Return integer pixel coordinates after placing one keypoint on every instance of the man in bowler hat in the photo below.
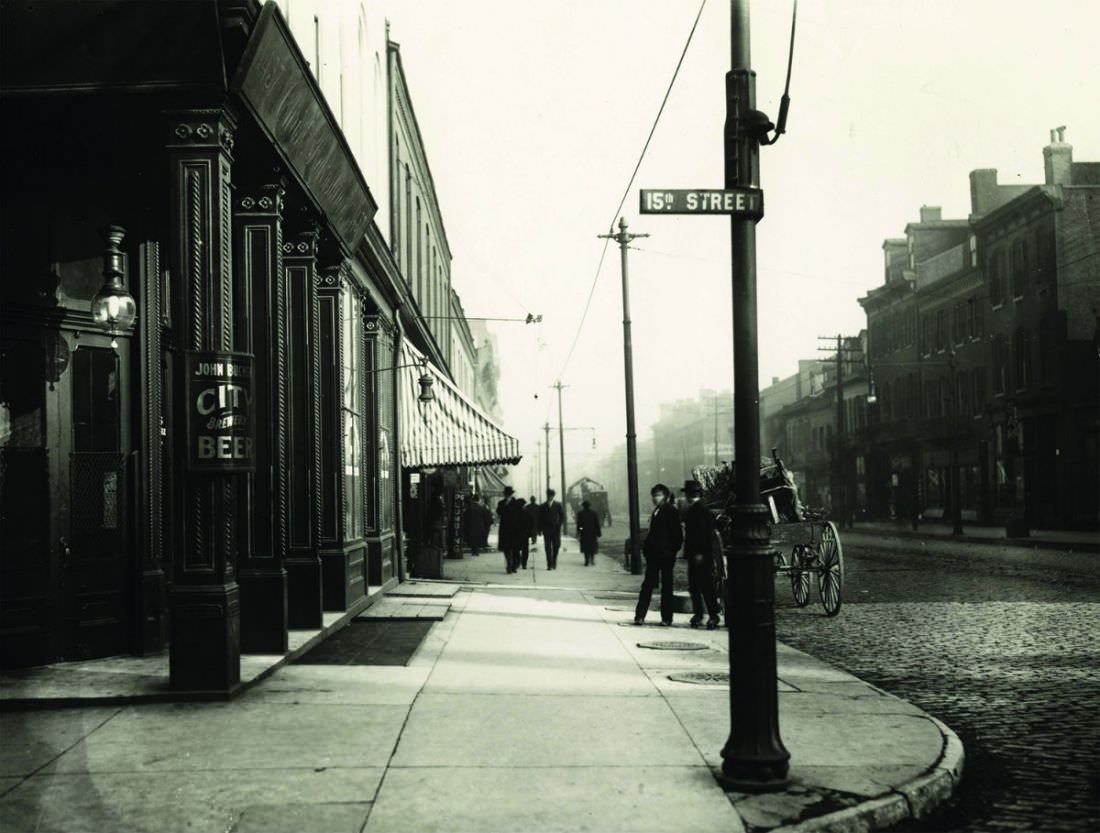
(551, 520)
(662, 542)
(699, 529)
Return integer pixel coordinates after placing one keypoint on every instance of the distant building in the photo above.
(984, 333)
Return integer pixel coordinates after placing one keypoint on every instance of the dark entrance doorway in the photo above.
(92, 497)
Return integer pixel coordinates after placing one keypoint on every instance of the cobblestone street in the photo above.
(999, 642)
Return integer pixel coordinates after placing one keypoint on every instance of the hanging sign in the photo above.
(738, 202)
(220, 433)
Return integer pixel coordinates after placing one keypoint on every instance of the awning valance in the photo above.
(450, 430)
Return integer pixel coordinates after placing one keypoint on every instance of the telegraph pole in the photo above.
(546, 446)
(754, 758)
(623, 239)
(561, 452)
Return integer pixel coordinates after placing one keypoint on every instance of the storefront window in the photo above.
(352, 408)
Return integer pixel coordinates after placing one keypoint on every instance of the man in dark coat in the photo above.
(475, 525)
(661, 545)
(506, 530)
(519, 532)
(532, 512)
(551, 520)
(699, 529)
(588, 532)
(487, 521)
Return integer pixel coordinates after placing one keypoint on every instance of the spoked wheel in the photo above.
(800, 577)
(830, 583)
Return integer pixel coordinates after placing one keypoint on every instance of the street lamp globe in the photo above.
(112, 307)
(426, 392)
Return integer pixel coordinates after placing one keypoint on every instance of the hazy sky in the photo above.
(534, 114)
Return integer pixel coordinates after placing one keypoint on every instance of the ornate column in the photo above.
(261, 301)
(383, 527)
(205, 605)
(151, 601)
(303, 564)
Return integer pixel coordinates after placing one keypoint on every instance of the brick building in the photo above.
(982, 343)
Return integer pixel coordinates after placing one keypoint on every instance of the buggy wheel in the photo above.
(800, 576)
(830, 583)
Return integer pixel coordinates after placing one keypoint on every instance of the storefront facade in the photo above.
(226, 471)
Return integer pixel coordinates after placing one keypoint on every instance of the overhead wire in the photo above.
(626, 191)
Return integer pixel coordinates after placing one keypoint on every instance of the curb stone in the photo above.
(914, 799)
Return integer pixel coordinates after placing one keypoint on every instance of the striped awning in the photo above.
(450, 430)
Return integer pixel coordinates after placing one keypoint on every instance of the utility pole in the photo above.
(561, 453)
(716, 431)
(623, 239)
(841, 495)
(546, 428)
(754, 758)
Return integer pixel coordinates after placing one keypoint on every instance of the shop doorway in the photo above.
(92, 496)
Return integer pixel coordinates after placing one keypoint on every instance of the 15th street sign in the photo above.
(739, 202)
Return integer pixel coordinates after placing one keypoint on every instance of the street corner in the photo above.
(846, 798)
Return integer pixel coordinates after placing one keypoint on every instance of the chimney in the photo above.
(1058, 159)
(931, 214)
(983, 190)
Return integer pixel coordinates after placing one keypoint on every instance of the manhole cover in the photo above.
(701, 677)
(673, 646)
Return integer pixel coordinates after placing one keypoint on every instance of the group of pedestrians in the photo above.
(521, 523)
(668, 533)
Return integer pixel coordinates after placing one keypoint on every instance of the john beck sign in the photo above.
(219, 412)
(739, 202)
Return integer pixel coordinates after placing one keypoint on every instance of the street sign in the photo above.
(739, 202)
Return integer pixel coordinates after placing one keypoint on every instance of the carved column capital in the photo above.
(213, 129)
(302, 244)
(264, 199)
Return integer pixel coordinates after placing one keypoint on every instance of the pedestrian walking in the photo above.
(662, 542)
(551, 520)
(699, 527)
(506, 526)
(588, 532)
(532, 511)
(475, 525)
(523, 535)
(487, 522)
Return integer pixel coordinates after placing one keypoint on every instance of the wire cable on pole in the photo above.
(626, 191)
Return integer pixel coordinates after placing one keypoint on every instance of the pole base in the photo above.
(753, 777)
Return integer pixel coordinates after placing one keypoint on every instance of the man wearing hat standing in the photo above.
(511, 525)
(551, 520)
(662, 542)
(699, 529)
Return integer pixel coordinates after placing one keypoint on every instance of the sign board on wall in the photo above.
(220, 434)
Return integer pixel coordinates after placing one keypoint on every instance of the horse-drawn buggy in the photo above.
(807, 544)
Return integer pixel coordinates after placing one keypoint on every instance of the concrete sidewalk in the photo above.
(526, 708)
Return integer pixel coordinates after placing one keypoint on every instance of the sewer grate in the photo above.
(701, 677)
(674, 646)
